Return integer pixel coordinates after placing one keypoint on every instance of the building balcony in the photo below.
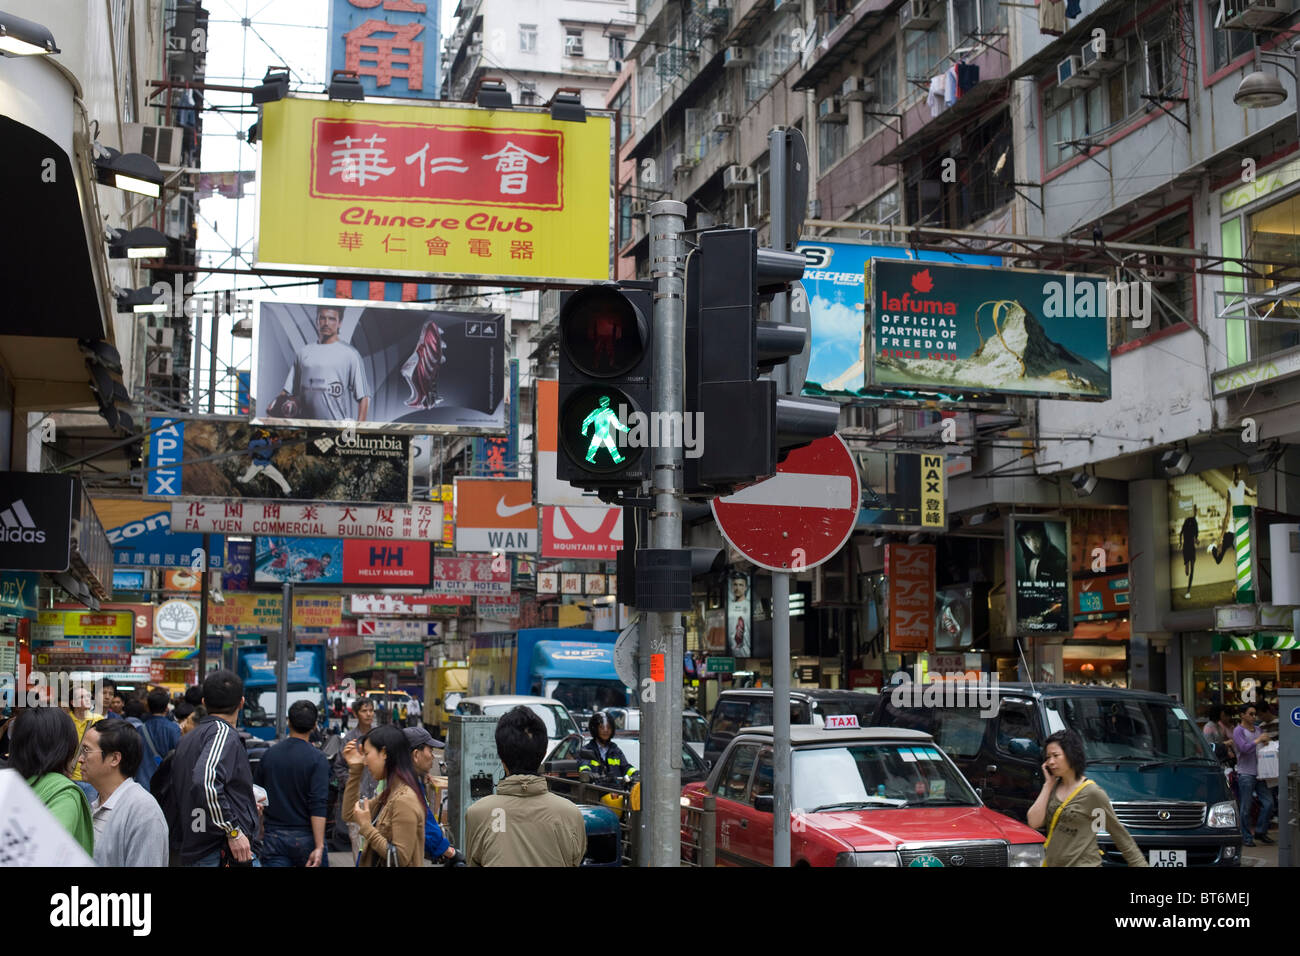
(845, 39)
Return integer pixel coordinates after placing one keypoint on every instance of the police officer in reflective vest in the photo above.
(601, 755)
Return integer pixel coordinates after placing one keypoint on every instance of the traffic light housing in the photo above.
(746, 426)
(606, 375)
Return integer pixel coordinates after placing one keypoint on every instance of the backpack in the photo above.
(151, 760)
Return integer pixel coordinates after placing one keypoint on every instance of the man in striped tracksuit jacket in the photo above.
(213, 782)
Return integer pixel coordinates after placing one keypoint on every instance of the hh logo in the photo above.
(386, 557)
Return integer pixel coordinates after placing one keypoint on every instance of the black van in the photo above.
(752, 707)
(1153, 762)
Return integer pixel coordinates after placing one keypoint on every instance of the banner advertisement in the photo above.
(381, 629)
(392, 48)
(182, 581)
(1039, 569)
(470, 576)
(981, 329)
(452, 190)
(901, 491)
(498, 608)
(740, 624)
(90, 653)
(419, 522)
(176, 624)
(334, 561)
(57, 625)
(834, 282)
(911, 572)
(367, 366)
(260, 613)
(140, 533)
(405, 604)
(495, 515)
(595, 533)
(232, 459)
(18, 593)
(1202, 536)
(36, 520)
(239, 566)
(447, 496)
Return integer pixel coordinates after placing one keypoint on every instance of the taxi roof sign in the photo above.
(841, 722)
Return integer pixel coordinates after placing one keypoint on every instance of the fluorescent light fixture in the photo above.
(143, 242)
(274, 86)
(141, 301)
(345, 85)
(19, 37)
(133, 172)
(566, 105)
(493, 95)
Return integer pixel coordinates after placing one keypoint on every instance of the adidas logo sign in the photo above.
(19, 526)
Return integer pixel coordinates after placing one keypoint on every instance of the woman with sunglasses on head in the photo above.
(44, 749)
(1074, 809)
(391, 823)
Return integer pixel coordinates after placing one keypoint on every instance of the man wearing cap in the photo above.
(423, 753)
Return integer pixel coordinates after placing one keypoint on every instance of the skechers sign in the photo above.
(940, 327)
(36, 521)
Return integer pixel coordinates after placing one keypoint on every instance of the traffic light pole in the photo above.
(781, 755)
(663, 642)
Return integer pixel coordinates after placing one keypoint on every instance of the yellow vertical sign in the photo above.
(932, 492)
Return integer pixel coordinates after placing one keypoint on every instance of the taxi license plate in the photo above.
(1167, 857)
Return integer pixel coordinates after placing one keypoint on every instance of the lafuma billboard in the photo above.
(977, 329)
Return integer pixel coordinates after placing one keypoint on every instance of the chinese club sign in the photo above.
(454, 190)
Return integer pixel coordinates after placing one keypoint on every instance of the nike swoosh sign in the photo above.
(509, 511)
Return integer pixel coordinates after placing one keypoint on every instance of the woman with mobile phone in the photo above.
(391, 823)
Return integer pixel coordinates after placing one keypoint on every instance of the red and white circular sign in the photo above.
(802, 515)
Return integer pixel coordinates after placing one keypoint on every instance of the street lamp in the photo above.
(1259, 90)
(134, 172)
(19, 37)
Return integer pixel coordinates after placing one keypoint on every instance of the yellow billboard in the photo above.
(60, 624)
(452, 191)
(252, 611)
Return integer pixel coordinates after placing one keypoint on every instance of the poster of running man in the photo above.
(370, 366)
(228, 458)
(1202, 535)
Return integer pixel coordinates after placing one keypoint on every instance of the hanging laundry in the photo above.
(1051, 17)
(1073, 8)
(934, 99)
(950, 85)
(968, 74)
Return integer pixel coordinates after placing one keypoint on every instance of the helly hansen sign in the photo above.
(35, 521)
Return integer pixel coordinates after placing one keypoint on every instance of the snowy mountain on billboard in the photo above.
(1015, 354)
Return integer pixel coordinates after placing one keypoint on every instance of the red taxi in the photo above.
(860, 797)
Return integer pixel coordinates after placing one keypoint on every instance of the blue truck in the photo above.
(306, 682)
(571, 665)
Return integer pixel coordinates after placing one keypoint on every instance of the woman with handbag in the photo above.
(1073, 809)
(392, 822)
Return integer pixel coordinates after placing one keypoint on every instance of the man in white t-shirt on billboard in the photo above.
(327, 381)
(1237, 492)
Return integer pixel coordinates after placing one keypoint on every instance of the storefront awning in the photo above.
(1254, 642)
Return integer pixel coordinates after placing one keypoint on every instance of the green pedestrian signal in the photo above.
(603, 419)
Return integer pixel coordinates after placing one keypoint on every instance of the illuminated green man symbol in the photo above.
(602, 420)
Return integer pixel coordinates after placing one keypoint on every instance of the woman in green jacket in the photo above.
(44, 749)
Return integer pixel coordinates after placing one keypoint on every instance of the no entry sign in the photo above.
(801, 516)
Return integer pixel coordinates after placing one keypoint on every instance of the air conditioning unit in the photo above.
(738, 177)
(683, 162)
(159, 363)
(1068, 74)
(831, 110)
(476, 38)
(1151, 268)
(920, 14)
(474, 49)
(640, 207)
(723, 122)
(162, 144)
(1252, 14)
(1094, 61)
(162, 339)
(735, 56)
(859, 89)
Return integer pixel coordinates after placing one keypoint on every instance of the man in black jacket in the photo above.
(215, 807)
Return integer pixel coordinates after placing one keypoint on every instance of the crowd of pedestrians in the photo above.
(1238, 749)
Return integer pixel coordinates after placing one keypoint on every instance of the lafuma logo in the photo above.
(19, 525)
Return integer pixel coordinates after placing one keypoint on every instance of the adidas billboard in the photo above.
(36, 521)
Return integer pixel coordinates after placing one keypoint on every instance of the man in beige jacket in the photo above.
(523, 824)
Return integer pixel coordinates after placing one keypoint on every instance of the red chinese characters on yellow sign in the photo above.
(400, 162)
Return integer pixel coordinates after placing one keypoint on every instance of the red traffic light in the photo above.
(602, 333)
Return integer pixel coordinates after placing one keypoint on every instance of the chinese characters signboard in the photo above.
(454, 190)
(392, 45)
(140, 533)
(470, 576)
(910, 568)
(420, 522)
(261, 612)
(901, 491)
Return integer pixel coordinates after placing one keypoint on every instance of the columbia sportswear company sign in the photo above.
(36, 521)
